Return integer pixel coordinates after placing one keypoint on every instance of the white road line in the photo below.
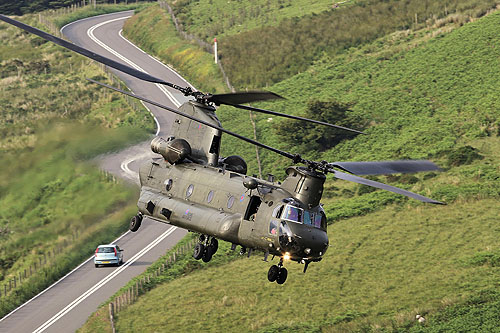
(155, 59)
(126, 169)
(60, 280)
(101, 283)
(91, 35)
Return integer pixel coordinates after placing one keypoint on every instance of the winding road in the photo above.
(66, 305)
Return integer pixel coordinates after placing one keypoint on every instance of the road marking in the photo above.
(60, 280)
(101, 283)
(124, 165)
(155, 59)
(90, 33)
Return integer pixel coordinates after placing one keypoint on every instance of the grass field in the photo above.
(381, 269)
(428, 93)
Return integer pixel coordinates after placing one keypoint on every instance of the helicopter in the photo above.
(191, 186)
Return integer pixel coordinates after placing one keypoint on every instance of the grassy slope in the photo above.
(217, 18)
(386, 266)
(153, 31)
(444, 248)
(52, 121)
(418, 102)
(286, 42)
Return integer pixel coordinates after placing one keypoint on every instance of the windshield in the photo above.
(296, 214)
(106, 250)
(293, 214)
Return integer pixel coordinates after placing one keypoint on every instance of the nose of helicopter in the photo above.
(303, 241)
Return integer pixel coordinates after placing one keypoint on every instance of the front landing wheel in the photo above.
(273, 273)
(282, 275)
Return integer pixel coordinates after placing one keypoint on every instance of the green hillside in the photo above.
(428, 93)
(283, 38)
(55, 207)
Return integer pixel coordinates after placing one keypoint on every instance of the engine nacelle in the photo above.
(173, 151)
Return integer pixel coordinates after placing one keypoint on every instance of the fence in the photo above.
(45, 260)
(206, 46)
(130, 295)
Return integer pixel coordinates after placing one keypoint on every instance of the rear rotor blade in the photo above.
(372, 183)
(385, 167)
(89, 54)
(242, 97)
(251, 108)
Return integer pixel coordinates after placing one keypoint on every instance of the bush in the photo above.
(310, 136)
(463, 155)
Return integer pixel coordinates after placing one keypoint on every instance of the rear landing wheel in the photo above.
(214, 245)
(207, 255)
(135, 223)
(199, 249)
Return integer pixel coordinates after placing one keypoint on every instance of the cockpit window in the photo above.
(317, 220)
(293, 214)
(308, 217)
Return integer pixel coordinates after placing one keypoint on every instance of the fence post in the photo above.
(111, 315)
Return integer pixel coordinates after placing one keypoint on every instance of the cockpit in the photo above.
(290, 212)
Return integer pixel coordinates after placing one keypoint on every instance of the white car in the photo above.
(108, 255)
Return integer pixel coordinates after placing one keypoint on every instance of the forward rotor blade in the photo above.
(282, 153)
(87, 53)
(372, 183)
(251, 108)
(385, 167)
(242, 97)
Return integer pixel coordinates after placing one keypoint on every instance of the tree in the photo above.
(309, 136)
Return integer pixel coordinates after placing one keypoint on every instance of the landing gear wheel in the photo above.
(273, 273)
(199, 249)
(135, 223)
(282, 274)
(207, 255)
(214, 245)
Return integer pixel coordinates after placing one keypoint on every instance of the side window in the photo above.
(320, 220)
(230, 202)
(273, 227)
(189, 190)
(210, 196)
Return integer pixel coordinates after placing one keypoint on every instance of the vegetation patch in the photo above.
(54, 206)
(154, 32)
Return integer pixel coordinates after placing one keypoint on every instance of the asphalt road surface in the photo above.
(66, 305)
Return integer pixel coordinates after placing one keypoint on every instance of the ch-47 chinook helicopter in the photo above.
(191, 186)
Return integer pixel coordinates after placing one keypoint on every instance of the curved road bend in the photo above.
(66, 305)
